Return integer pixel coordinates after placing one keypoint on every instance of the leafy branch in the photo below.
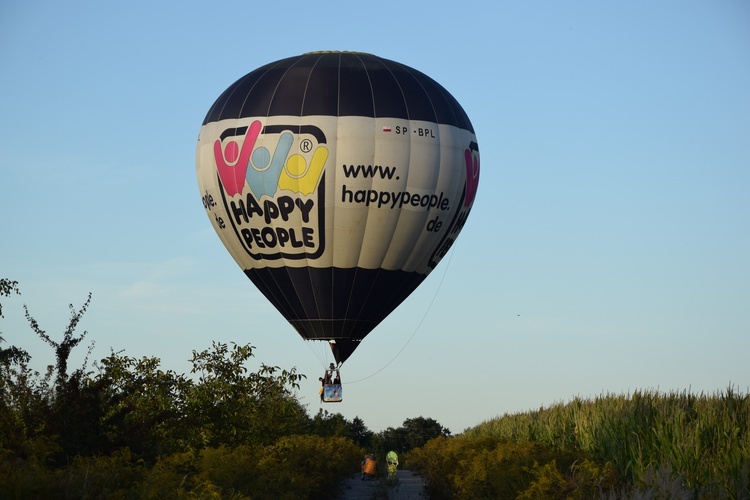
(63, 348)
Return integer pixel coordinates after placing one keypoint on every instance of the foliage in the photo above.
(300, 466)
(414, 432)
(142, 406)
(132, 429)
(12, 354)
(647, 445)
(704, 441)
(26, 398)
(6, 288)
(335, 424)
(582, 480)
(64, 347)
(487, 467)
(230, 405)
(297, 466)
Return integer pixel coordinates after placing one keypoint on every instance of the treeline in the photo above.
(128, 428)
(643, 445)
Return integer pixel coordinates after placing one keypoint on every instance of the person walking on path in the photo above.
(391, 461)
(369, 468)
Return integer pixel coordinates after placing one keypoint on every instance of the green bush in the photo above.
(21, 479)
(581, 481)
(307, 466)
(172, 476)
(301, 466)
(113, 476)
(488, 467)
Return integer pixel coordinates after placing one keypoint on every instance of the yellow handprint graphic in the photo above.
(297, 176)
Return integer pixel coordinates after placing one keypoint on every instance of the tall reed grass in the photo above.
(705, 439)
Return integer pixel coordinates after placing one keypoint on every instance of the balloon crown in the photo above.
(339, 52)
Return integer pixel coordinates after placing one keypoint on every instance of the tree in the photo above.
(336, 425)
(142, 406)
(6, 288)
(21, 391)
(11, 355)
(62, 349)
(414, 433)
(359, 432)
(230, 405)
(328, 424)
(417, 431)
(25, 398)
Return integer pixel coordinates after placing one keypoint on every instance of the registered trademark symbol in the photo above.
(306, 145)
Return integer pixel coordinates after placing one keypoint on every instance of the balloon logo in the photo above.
(337, 181)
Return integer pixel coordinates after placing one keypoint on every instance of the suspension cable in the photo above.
(416, 329)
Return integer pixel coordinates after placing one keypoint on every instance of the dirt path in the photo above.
(408, 487)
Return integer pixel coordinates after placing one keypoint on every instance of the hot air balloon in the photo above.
(337, 181)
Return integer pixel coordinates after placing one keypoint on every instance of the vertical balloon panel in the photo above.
(390, 168)
(355, 151)
(449, 195)
(419, 197)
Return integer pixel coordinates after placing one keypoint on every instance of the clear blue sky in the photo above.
(608, 249)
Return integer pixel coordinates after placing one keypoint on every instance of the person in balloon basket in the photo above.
(369, 467)
(322, 388)
(329, 378)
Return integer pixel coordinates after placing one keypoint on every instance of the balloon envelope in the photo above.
(337, 181)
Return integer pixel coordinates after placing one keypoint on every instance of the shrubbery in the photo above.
(133, 430)
(299, 466)
(150, 437)
(487, 467)
(674, 445)
(130, 429)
